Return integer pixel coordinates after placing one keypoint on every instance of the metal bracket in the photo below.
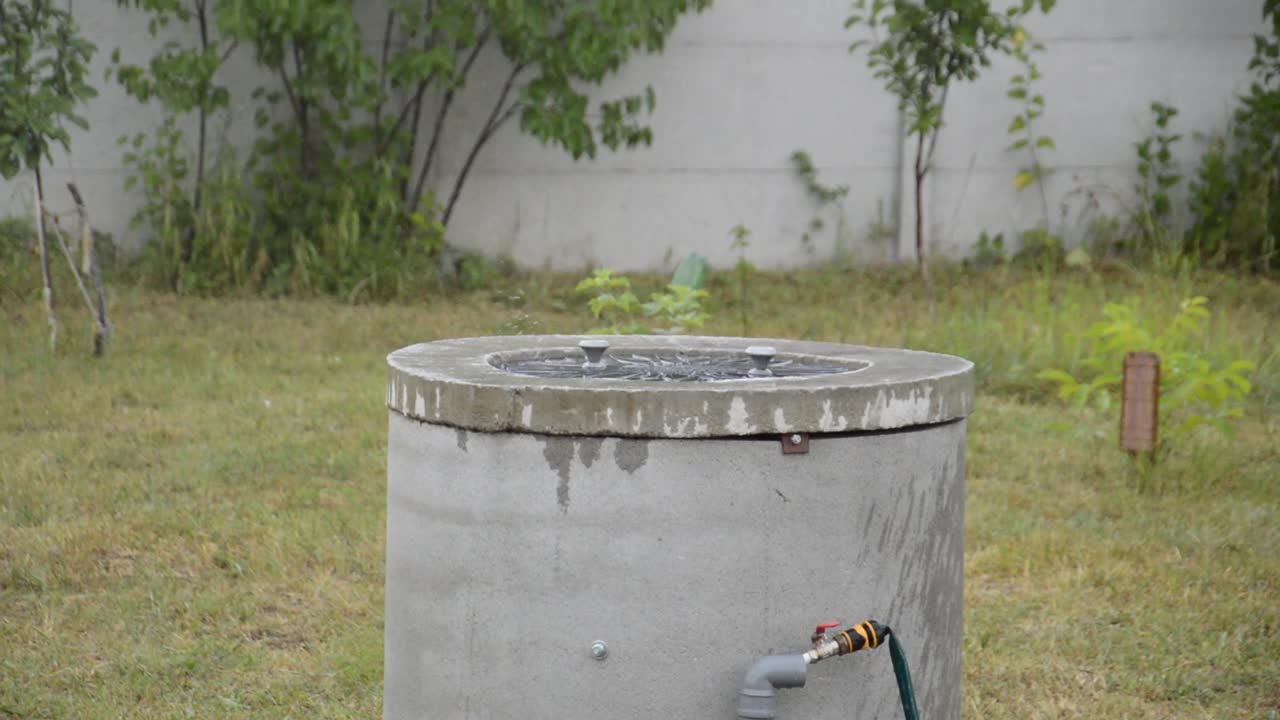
(795, 443)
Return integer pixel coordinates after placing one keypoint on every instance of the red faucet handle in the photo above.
(824, 627)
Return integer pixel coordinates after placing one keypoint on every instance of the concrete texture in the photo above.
(509, 554)
(455, 382)
(741, 87)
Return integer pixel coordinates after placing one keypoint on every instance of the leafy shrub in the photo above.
(1234, 205)
(1195, 387)
(1235, 196)
(192, 251)
(1040, 248)
(226, 246)
(678, 309)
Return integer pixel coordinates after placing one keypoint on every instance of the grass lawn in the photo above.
(192, 526)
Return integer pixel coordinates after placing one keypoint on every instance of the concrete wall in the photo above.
(745, 84)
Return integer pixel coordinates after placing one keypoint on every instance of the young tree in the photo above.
(927, 46)
(43, 64)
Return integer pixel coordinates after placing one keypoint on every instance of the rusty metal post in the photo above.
(1140, 402)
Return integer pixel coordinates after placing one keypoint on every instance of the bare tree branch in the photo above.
(491, 126)
(227, 53)
(382, 70)
(438, 129)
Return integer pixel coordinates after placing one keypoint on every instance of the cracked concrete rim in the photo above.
(453, 382)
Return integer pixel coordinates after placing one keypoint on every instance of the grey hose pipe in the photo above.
(758, 698)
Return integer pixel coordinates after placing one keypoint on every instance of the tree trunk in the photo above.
(919, 177)
(197, 194)
(43, 244)
(496, 119)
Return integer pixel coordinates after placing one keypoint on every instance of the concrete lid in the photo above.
(455, 382)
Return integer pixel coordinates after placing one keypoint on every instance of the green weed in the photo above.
(617, 310)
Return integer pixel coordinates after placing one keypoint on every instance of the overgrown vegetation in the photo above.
(1231, 215)
(1235, 195)
(347, 191)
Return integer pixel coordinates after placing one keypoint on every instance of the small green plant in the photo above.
(1158, 178)
(988, 252)
(824, 195)
(618, 310)
(1195, 387)
(743, 271)
(677, 310)
(1022, 127)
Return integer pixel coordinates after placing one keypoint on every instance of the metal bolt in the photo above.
(599, 650)
(761, 355)
(595, 350)
(796, 439)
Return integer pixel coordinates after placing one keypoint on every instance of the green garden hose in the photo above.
(903, 675)
(870, 634)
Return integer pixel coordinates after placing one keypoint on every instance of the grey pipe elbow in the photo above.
(758, 698)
